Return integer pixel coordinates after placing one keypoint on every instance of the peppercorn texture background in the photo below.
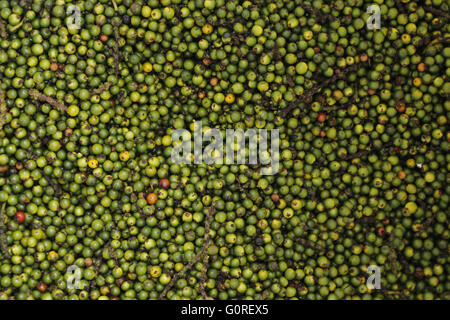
(92, 90)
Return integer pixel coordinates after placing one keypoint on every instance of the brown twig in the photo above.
(364, 220)
(97, 264)
(51, 101)
(426, 223)
(3, 32)
(55, 187)
(3, 243)
(52, 183)
(205, 256)
(389, 293)
(392, 254)
(179, 275)
(310, 244)
(400, 6)
(357, 155)
(276, 52)
(338, 75)
(112, 253)
(436, 11)
(423, 44)
(3, 109)
(101, 88)
(322, 17)
(116, 48)
(197, 257)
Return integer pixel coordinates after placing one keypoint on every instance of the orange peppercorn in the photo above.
(54, 66)
(152, 198)
(421, 67)
(164, 183)
(321, 117)
(42, 287)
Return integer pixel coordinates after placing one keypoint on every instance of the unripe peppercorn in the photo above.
(345, 150)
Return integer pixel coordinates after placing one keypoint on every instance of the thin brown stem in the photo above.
(197, 257)
(337, 75)
(44, 98)
(3, 243)
(116, 48)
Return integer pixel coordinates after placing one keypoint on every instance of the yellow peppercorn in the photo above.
(73, 110)
(52, 256)
(146, 11)
(179, 266)
(229, 98)
(281, 204)
(166, 140)
(148, 67)
(93, 163)
(410, 162)
(124, 155)
(155, 271)
(207, 28)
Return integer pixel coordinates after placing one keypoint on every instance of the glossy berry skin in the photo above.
(164, 183)
(321, 117)
(152, 198)
(356, 149)
(20, 216)
(42, 287)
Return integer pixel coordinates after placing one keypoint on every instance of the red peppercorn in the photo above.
(42, 287)
(164, 183)
(275, 197)
(381, 231)
(321, 117)
(20, 216)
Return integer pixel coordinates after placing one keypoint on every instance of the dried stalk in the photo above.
(338, 75)
(101, 88)
(322, 17)
(3, 32)
(3, 244)
(436, 12)
(51, 101)
(197, 257)
(205, 256)
(357, 155)
(3, 109)
(310, 244)
(52, 183)
(116, 48)
(392, 254)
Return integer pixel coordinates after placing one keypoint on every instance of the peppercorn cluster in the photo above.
(94, 207)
